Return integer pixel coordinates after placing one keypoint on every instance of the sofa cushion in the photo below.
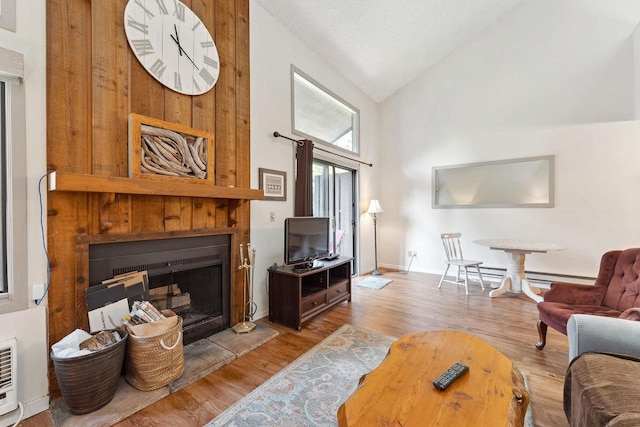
(556, 314)
(623, 291)
(602, 390)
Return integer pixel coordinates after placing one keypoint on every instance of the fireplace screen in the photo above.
(189, 275)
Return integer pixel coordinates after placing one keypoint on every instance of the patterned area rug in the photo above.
(373, 283)
(310, 390)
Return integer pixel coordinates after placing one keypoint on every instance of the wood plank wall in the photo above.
(93, 83)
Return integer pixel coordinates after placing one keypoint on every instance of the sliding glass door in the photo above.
(334, 196)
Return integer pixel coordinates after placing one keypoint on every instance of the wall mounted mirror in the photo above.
(513, 183)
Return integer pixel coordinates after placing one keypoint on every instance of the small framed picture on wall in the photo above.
(273, 183)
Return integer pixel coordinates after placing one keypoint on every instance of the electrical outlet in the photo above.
(272, 216)
(415, 253)
(412, 253)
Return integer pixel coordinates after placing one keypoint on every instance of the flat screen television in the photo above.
(305, 239)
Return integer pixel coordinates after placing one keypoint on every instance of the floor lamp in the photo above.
(375, 209)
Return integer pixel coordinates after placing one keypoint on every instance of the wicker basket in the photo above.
(89, 382)
(154, 361)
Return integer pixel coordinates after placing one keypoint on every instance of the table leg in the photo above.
(513, 277)
(505, 285)
(516, 279)
(515, 270)
(521, 284)
(531, 291)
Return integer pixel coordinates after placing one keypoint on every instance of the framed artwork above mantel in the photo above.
(273, 183)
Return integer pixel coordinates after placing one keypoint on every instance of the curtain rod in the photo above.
(301, 142)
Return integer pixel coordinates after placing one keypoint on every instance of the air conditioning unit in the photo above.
(8, 380)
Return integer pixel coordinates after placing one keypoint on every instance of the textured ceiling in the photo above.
(381, 45)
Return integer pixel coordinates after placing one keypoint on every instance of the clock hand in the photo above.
(178, 43)
(181, 50)
(177, 39)
(189, 58)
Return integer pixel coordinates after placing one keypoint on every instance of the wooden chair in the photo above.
(453, 250)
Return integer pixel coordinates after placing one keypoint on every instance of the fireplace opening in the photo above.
(189, 275)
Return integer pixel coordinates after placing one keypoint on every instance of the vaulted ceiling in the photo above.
(381, 45)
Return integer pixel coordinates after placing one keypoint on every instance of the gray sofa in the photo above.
(602, 384)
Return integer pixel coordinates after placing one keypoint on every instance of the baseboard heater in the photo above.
(539, 278)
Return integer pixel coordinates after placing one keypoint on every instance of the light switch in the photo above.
(272, 216)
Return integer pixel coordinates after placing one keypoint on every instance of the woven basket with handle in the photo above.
(154, 361)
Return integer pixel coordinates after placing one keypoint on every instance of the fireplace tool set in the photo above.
(249, 308)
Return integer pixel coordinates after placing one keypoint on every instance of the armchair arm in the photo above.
(602, 334)
(575, 294)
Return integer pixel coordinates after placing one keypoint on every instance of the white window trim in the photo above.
(356, 128)
(12, 73)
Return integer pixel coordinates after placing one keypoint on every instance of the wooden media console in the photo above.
(297, 296)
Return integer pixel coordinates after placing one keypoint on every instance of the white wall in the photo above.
(273, 50)
(29, 326)
(636, 66)
(550, 77)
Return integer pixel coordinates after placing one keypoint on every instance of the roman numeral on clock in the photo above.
(142, 46)
(211, 62)
(177, 82)
(206, 44)
(131, 22)
(195, 83)
(162, 7)
(208, 78)
(179, 12)
(146, 11)
(157, 69)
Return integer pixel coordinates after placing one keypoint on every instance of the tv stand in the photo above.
(296, 296)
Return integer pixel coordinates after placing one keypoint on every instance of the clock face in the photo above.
(172, 44)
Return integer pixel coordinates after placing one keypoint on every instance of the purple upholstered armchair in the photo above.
(616, 289)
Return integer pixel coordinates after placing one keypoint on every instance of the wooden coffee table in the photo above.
(400, 391)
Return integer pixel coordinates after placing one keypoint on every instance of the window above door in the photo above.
(320, 115)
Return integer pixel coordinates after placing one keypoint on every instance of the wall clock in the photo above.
(172, 44)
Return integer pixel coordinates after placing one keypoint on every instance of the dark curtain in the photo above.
(304, 179)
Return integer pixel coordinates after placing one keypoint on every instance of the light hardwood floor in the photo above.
(412, 302)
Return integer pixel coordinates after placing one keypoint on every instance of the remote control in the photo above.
(450, 375)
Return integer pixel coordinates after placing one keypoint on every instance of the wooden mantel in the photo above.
(68, 181)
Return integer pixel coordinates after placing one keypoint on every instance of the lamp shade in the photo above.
(374, 207)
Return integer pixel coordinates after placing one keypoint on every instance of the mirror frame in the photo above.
(466, 174)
